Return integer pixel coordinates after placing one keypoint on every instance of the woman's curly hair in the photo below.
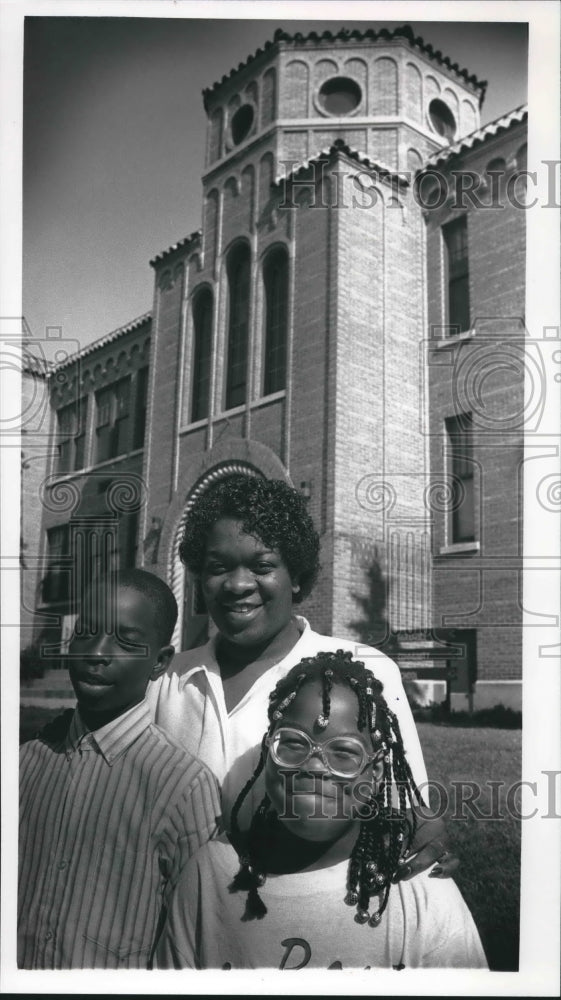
(269, 509)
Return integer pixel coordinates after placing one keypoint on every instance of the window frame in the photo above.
(275, 320)
(202, 311)
(456, 259)
(237, 340)
(460, 469)
(74, 443)
(117, 418)
(56, 582)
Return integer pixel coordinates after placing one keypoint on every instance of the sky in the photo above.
(114, 138)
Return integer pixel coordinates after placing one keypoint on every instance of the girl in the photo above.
(316, 870)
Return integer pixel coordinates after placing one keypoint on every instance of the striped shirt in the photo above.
(108, 820)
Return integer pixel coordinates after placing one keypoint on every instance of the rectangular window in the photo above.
(457, 275)
(95, 549)
(275, 275)
(56, 583)
(459, 432)
(113, 420)
(71, 446)
(140, 407)
(122, 416)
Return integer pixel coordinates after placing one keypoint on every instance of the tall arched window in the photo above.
(275, 280)
(238, 326)
(202, 345)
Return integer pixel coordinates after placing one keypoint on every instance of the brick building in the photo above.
(346, 319)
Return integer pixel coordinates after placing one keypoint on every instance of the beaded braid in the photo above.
(249, 876)
(385, 837)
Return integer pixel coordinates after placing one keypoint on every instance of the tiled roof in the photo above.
(33, 364)
(107, 339)
(480, 135)
(181, 244)
(384, 34)
(339, 146)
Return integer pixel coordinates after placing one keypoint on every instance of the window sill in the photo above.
(457, 338)
(234, 411)
(255, 404)
(459, 549)
(197, 425)
(272, 397)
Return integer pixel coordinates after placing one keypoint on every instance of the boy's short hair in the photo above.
(271, 510)
(151, 587)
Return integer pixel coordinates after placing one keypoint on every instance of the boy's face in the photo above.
(115, 653)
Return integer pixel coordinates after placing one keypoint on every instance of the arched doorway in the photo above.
(192, 624)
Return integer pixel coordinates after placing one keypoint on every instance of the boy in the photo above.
(111, 808)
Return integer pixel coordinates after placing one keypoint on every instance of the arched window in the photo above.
(202, 344)
(238, 326)
(275, 280)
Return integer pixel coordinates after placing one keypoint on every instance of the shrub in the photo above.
(31, 665)
(497, 717)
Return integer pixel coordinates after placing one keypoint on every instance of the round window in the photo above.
(442, 119)
(242, 121)
(340, 96)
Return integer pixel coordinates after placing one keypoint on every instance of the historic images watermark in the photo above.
(461, 799)
(312, 186)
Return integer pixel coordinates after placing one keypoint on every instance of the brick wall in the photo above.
(484, 375)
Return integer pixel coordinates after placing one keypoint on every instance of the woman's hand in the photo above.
(430, 846)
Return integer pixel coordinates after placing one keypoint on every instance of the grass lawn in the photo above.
(489, 849)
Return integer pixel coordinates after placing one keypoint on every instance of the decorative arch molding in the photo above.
(121, 360)
(226, 458)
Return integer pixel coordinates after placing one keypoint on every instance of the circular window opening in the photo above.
(340, 96)
(242, 121)
(442, 119)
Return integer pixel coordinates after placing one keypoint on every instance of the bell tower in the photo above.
(304, 310)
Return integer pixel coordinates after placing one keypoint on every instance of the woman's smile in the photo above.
(247, 587)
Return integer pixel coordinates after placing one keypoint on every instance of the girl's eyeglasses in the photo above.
(343, 756)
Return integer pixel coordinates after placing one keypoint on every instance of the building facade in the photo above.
(331, 324)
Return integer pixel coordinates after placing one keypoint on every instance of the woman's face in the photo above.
(246, 585)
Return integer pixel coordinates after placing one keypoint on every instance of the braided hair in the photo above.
(386, 835)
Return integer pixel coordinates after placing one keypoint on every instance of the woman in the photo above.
(253, 546)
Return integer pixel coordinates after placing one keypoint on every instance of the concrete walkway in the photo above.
(53, 690)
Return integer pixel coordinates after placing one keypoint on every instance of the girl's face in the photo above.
(314, 803)
(246, 585)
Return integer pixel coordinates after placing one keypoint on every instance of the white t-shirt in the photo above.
(426, 923)
(188, 703)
